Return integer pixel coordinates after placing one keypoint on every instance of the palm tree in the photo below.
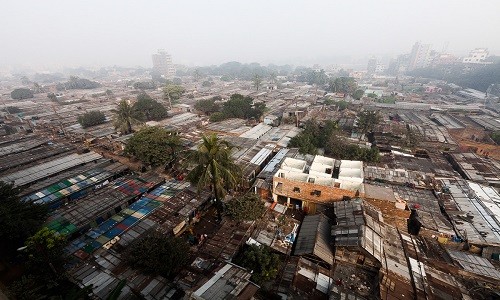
(125, 117)
(215, 168)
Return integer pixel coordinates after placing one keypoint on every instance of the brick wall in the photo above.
(328, 193)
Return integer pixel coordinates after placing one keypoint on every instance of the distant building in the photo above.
(420, 56)
(372, 66)
(162, 63)
(476, 56)
(379, 68)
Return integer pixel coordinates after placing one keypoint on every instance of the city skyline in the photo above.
(104, 34)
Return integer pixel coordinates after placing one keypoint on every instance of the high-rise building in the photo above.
(476, 56)
(162, 63)
(372, 66)
(420, 56)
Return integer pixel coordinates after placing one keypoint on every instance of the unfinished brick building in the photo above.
(325, 180)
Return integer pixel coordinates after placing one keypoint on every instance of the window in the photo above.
(296, 189)
(311, 180)
(316, 192)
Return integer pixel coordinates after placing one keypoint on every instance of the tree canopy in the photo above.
(46, 253)
(18, 219)
(478, 77)
(159, 255)
(246, 208)
(257, 81)
(239, 106)
(367, 120)
(91, 118)
(125, 117)
(316, 135)
(358, 94)
(173, 91)
(345, 85)
(144, 85)
(261, 261)
(214, 167)
(148, 109)
(207, 106)
(338, 147)
(21, 93)
(153, 146)
(75, 83)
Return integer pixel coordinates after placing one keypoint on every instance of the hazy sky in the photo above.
(102, 33)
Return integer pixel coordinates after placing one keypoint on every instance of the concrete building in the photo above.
(372, 66)
(420, 56)
(476, 56)
(324, 180)
(162, 63)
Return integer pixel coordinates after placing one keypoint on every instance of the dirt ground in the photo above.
(463, 138)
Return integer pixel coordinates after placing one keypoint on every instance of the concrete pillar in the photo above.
(288, 201)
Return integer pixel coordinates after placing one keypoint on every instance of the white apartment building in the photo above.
(476, 56)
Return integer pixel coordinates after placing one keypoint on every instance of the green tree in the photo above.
(239, 106)
(367, 120)
(358, 94)
(315, 135)
(52, 97)
(372, 95)
(196, 75)
(25, 80)
(173, 92)
(246, 208)
(342, 105)
(495, 136)
(37, 88)
(91, 118)
(154, 146)
(273, 78)
(339, 148)
(207, 106)
(77, 83)
(18, 219)
(207, 83)
(214, 167)
(21, 93)
(346, 85)
(144, 85)
(148, 109)
(261, 261)
(225, 78)
(46, 253)
(158, 255)
(217, 117)
(125, 117)
(257, 81)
